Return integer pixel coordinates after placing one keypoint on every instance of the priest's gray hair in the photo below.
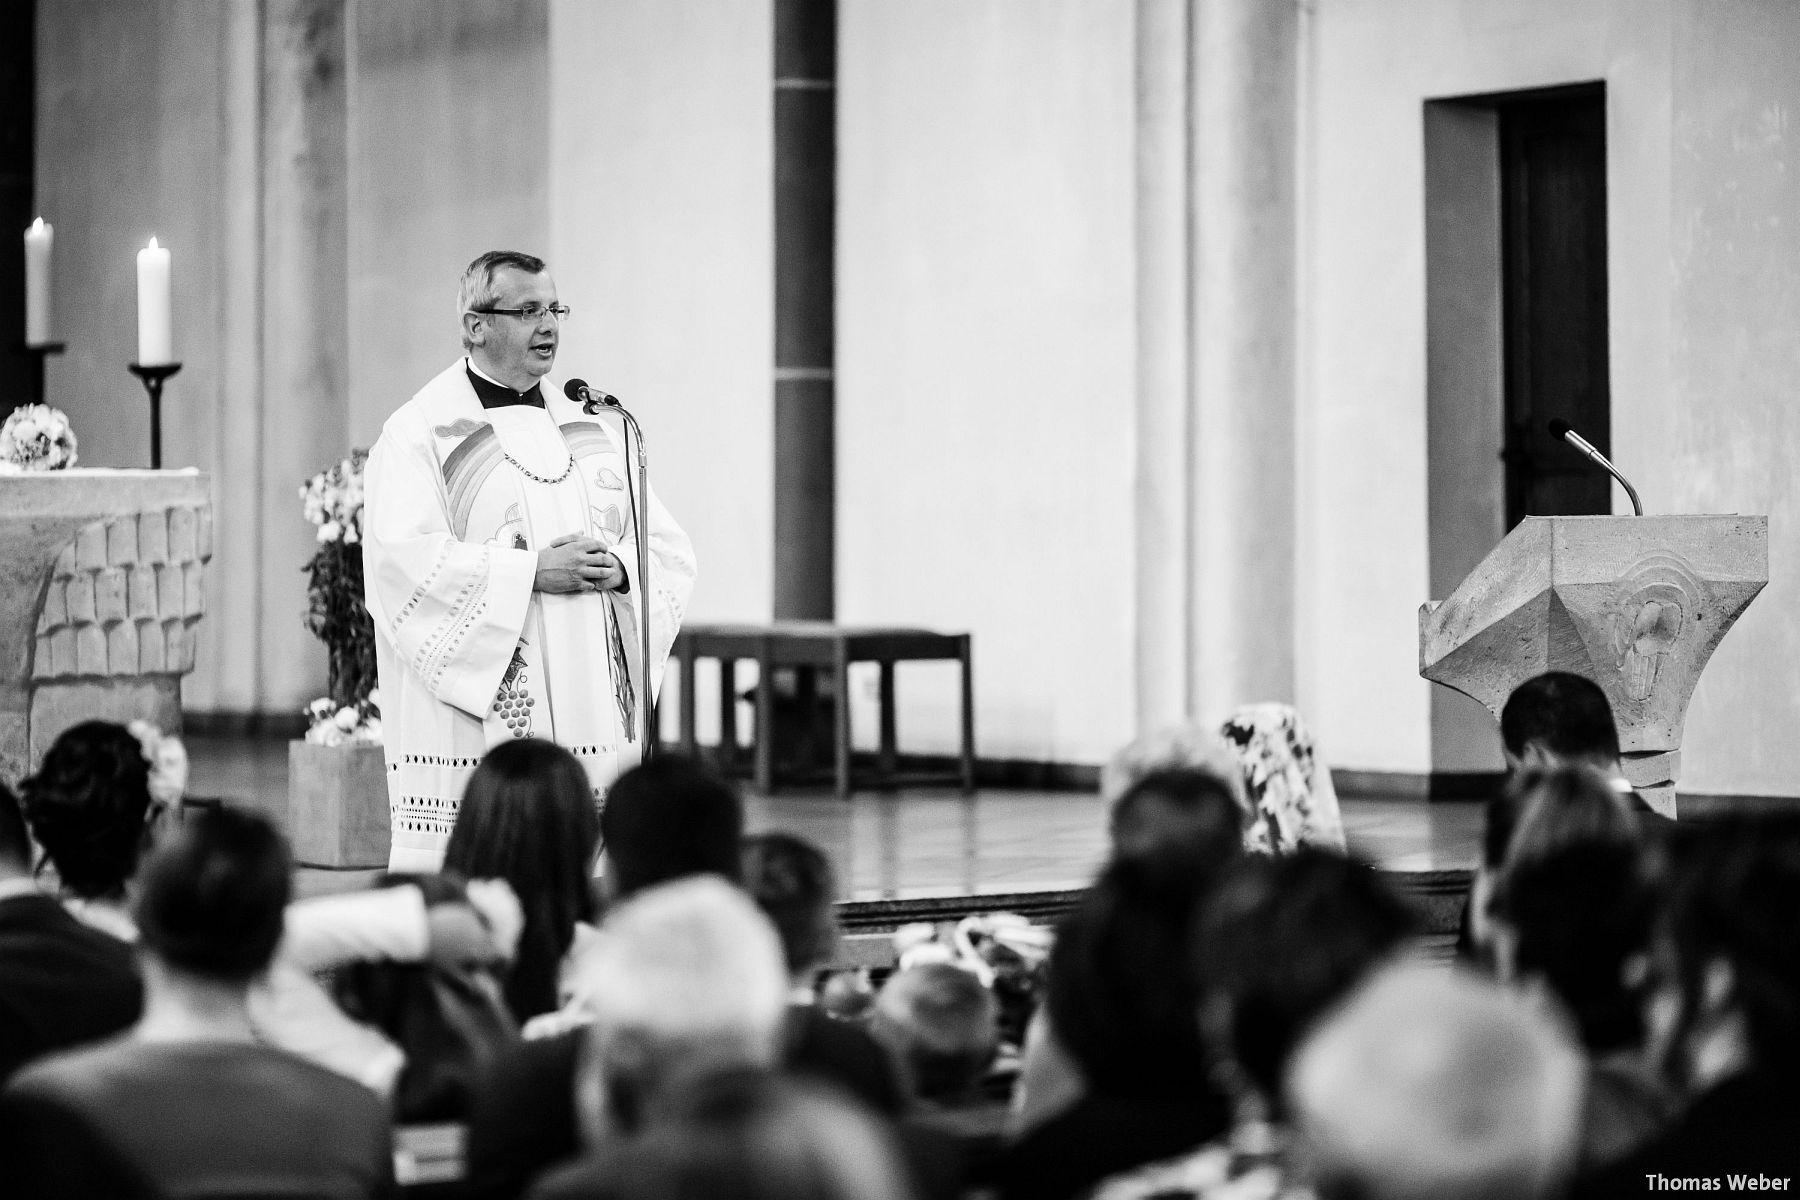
(476, 291)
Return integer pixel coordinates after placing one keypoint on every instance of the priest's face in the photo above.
(512, 349)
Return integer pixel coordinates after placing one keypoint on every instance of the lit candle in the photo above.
(156, 334)
(37, 282)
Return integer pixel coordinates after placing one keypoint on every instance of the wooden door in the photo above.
(1554, 334)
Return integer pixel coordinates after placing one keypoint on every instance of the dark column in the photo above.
(805, 237)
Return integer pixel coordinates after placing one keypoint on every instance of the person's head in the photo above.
(667, 819)
(1574, 919)
(1428, 1084)
(528, 817)
(495, 290)
(1279, 942)
(1181, 807)
(89, 807)
(941, 1025)
(1540, 809)
(1559, 718)
(1543, 808)
(1725, 970)
(15, 843)
(1190, 746)
(211, 897)
(681, 979)
(1118, 996)
(755, 1136)
(791, 881)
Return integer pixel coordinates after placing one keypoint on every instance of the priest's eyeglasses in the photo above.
(531, 314)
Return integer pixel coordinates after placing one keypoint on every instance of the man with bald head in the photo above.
(500, 555)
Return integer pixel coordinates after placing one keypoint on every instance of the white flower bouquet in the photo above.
(332, 724)
(333, 500)
(36, 437)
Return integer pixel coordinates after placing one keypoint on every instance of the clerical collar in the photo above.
(494, 394)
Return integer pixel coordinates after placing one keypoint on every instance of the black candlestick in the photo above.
(39, 353)
(153, 377)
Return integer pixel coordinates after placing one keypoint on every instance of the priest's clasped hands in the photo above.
(577, 563)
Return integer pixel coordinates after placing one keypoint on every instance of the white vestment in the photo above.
(458, 500)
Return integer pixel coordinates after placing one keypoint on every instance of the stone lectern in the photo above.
(102, 585)
(1637, 604)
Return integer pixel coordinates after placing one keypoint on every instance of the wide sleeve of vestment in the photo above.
(453, 611)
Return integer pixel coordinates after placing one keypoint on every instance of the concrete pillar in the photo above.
(305, 286)
(1163, 498)
(805, 241)
(230, 679)
(1242, 260)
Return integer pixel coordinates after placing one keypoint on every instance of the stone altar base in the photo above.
(102, 589)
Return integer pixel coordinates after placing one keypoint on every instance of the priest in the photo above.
(501, 525)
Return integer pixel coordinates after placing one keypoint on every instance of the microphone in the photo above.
(590, 399)
(1562, 429)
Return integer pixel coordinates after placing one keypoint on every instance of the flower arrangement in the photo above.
(168, 762)
(351, 712)
(36, 437)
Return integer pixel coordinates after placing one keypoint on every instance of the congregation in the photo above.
(637, 1000)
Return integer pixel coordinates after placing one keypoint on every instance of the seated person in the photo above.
(190, 1102)
(1119, 1011)
(1573, 921)
(943, 1027)
(1723, 1012)
(744, 1136)
(90, 807)
(1280, 943)
(1541, 807)
(668, 819)
(1191, 818)
(680, 981)
(791, 881)
(1559, 719)
(62, 983)
(1429, 1084)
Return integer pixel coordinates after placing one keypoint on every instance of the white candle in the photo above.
(37, 282)
(156, 334)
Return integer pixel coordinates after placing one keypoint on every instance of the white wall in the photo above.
(985, 358)
(1704, 269)
(661, 233)
(448, 155)
(1364, 546)
(1725, 436)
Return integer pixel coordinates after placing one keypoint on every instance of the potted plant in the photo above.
(337, 779)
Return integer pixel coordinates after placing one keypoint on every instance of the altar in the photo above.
(102, 591)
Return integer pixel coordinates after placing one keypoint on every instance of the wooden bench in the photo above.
(815, 646)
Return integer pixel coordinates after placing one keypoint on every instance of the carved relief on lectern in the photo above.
(1656, 601)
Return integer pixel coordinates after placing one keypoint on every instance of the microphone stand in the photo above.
(596, 401)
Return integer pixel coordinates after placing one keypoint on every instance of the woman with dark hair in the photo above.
(529, 817)
(1120, 1006)
(90, 808)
